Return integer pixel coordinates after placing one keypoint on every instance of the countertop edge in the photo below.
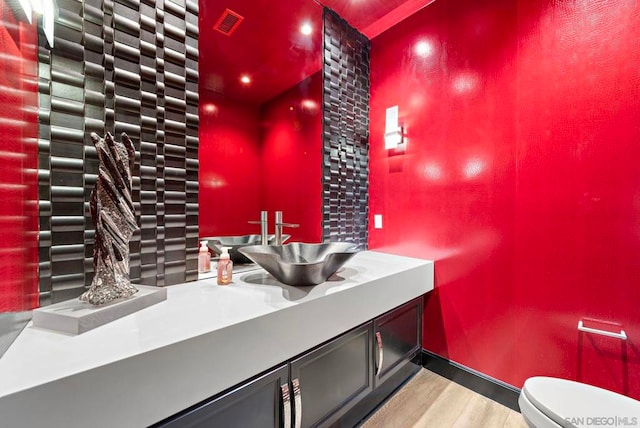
(164, 381)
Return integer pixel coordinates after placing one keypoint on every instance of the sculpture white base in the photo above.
(76, 317)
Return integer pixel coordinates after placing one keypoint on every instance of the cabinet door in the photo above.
(330, 380)
(397, 339)
(257, 404)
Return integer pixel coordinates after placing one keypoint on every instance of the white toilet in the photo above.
(547, 402)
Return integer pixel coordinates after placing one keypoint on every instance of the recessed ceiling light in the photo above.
(245, 79)
(306, 28)
(309, 104)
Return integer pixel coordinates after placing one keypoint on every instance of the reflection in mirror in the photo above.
(18, 161)
(260, 112)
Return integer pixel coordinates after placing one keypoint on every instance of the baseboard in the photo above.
(491, 388)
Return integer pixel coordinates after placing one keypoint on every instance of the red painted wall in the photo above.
(229, 170)
(18, 163)
(292, 158)
(519, 178)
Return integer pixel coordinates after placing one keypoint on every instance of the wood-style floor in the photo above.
(430, 400)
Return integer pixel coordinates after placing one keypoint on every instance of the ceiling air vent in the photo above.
(228, 22)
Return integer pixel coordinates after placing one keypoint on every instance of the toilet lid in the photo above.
(573, 404)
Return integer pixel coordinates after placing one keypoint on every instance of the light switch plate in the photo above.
(377, 221)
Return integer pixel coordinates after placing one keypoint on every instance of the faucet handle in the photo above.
(264, 226)
(280, 225)
(264, 218)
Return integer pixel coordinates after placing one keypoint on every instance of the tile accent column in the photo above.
(120, 66)
(61, 159)
(345, 132)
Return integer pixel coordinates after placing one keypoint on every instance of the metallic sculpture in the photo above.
(114, 221)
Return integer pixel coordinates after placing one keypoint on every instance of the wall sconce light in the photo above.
(46, 9)
(49, 11)
(393, 133)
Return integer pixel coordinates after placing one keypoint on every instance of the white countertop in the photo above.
(202, 340)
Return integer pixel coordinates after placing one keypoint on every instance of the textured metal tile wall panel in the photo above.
(44, 174)
(345, 132)
(192, 121)
(119, 66)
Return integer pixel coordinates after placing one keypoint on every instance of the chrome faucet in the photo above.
(280, 225)
(264, 227)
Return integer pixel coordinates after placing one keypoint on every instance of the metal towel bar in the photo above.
(622, 335)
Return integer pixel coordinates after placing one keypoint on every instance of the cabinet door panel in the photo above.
(334, 377)
(398, 335)
(257, 404)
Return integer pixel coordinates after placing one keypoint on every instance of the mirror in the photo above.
(260, 112)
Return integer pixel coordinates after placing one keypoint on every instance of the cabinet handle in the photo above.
(286, 404)
(380, 352)
(297, 402)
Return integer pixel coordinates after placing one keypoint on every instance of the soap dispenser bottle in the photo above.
(204, 258)
(225, 267)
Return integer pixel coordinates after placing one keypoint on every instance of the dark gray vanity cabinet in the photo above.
(330, 380)
(334, 385)
(260, 403)
(398, 338)
(397, 346)
(312, 390)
